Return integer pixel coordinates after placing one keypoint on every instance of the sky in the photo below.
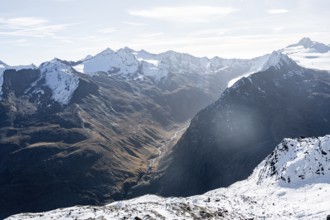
(35, 31)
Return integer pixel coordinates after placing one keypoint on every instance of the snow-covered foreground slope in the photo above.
(266, 194)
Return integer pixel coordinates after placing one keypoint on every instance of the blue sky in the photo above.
(33, 31)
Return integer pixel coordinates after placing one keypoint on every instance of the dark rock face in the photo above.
(226, 140)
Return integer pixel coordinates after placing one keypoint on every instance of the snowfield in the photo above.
(60, 79)
(266, 194)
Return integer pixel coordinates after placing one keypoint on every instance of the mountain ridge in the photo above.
(242, 127)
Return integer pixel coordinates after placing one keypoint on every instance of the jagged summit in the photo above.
(104, 52)
(276, 59)
(57, 64)
(108, 51)
(127, 62)
(315, 46)
(306, 42)
(60, 78)
(309, 54)
(109, 61)
(127, 50)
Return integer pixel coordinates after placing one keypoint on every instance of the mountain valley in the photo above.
(125, 123)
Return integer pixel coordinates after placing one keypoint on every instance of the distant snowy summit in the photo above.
(128, 62)
(136, 65)
(313, 46)
(276, 60)
(309, 54)
(266, 194)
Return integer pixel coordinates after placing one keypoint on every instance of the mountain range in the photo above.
(104, 128)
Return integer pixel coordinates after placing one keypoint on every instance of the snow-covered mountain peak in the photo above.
(315, 46)
(297, 162)
(105, 52)
(145, 55)
(310, 54)
(60, 78)
(56, 64)
(109, 61)
(126, 54)
(176, 56)
(310, 46)
(306, 42)
(87, 57)
(126, 50)
(276, 59)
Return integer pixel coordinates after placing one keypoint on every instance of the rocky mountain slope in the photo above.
(4, 67)
(226, 140)
(293, 182)
(87, 137)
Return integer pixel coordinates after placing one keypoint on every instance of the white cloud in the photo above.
(24, 22)
(151, 35)
(49, 30)
(29, 27)
(65, 0)
(185, 14)
(277, 11)
(21, 41)
(134, 23)
(108, 30)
